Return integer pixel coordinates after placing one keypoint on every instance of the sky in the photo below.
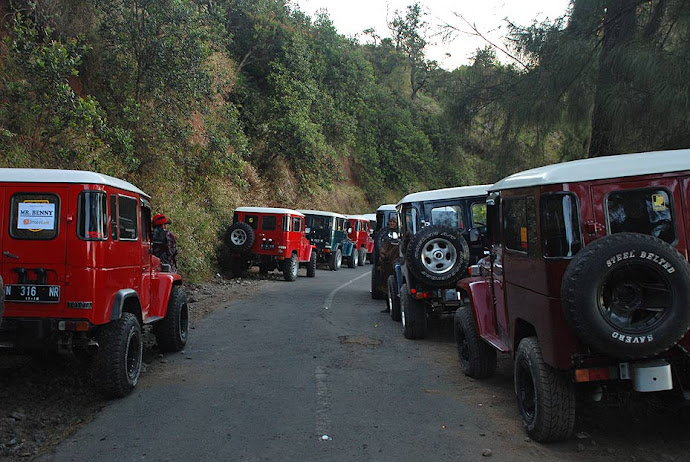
(351, 17)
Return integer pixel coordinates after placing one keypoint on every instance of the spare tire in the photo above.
(437, 256)
(240, 237)
(627, 295)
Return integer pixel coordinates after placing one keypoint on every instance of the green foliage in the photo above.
(203, 103)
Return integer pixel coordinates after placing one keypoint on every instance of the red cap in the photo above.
(160, 219)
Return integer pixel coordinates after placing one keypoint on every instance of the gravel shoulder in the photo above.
(46, 398)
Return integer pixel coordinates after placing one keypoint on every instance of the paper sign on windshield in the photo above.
(36, 216)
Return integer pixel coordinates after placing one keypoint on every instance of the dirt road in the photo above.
(273, 367)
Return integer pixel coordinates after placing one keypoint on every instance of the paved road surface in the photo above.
(270, 377)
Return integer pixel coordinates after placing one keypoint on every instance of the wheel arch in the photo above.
(523, 329)
(126, 301)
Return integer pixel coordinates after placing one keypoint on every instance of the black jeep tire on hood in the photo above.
(240, 237)
(438, 256)
(627, 295)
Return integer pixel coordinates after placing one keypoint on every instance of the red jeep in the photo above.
(360, 234)
(270, 238)
(79, 273)
(587, 284)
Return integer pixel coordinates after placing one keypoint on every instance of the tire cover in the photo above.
(627, 295)
(234, 232)
(438, 256)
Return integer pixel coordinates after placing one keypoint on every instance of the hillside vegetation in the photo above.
(208, 105)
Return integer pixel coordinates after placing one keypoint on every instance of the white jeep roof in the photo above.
(356, 217)
(370, 216)
(268, 210)
(447, 193)
(386, 207)
(599, 168)
(322, 213)
(49, 175)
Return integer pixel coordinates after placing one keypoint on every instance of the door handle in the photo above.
(10, 254)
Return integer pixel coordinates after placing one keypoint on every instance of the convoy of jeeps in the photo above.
(578, 270)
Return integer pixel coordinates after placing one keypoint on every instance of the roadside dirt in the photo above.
(46, 398)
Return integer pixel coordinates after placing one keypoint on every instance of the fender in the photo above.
(161, 286)
(118, 304)
(398, 276)
(479, 292)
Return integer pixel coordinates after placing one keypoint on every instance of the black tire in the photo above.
(290, 268)
(376, 292)
(240, 237)
(546, 397)
(117, 365)
(336, 260)
(413, 315)
(172, 331)
(438, 256)
(311, 266)
(362, 257)
(393, 299)
(477, 358)
(627, 295)
(354, 259)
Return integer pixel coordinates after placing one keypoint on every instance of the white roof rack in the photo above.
(49, 175)
(599, 168)
(268, 210)
(447, 193)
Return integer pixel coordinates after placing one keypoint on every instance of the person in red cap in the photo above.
(164, 241)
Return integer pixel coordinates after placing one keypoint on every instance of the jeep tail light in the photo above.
(74, 326)
(413, 291)
(596, 374)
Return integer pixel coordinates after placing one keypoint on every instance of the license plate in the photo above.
(268, 246)
(32, 293)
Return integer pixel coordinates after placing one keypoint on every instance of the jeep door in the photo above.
(146, 252)
(34, 231)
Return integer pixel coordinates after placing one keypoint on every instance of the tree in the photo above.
(410, 36)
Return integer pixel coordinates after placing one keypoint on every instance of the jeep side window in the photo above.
(113, 217)
(252, 220)
(92, 216)
(145, 221)
(296, 224)
(268, 223)
(646, 211)
(128, 218)
(410, 218)
(479, 215)
(34, 216)
(519, 224)
(560, 225)
(450, 215)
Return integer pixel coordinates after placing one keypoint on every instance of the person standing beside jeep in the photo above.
(164, 242)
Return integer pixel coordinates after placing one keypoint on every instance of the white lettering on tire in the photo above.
(632, 339)
(650, 256)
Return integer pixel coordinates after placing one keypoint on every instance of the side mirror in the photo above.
(349, 230)
(307, 230)
(475, 235)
